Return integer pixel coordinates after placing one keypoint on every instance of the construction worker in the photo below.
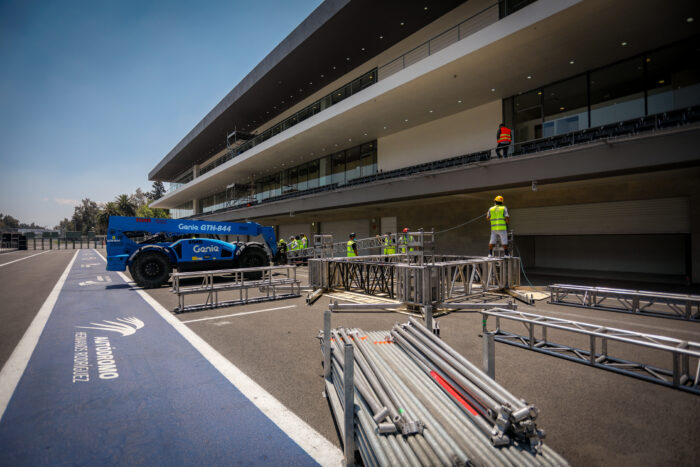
(405, 239)
(282, 251)
(497, 215)
(292, 243)
(304, 241)
(504, 138)
(297, 239)
(352, 245)
(389, 244)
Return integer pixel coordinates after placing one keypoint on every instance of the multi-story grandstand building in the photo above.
(372, 116)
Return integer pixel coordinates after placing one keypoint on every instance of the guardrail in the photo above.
(683, 354)
(238, 280)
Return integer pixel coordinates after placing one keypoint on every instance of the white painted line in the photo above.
(319, 448)
(17, 363)
(239, 314)
(22, 259)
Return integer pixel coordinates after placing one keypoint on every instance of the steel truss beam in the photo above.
(684, 354)
(428, 284)
(665, 305)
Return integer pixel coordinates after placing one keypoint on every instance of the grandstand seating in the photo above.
(634, 126)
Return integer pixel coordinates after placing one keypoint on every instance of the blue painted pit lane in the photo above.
(111, 382)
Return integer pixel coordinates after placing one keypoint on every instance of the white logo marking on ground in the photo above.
(126, 327)
(100, 279)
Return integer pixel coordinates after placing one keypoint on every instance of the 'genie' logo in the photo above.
(205, 249)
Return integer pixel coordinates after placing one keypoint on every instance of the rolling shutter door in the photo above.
(341, 229)
(654, 216)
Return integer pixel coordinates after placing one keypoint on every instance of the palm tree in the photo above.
(125, 205)
(109, 209)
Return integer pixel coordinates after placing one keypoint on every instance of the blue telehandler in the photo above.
(151, 248)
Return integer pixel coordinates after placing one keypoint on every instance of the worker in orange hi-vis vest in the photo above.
(505, 137)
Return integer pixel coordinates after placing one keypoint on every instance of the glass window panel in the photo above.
(353, 168)
(528, 116)
(673, 77)
(338, 168)
(313, 174)
(276, 185)
(369, 164)
(293, 179)
(617, 92)
(303, 177)
(325, 171)
(565, 107)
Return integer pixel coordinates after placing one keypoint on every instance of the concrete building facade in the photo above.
(374, 116)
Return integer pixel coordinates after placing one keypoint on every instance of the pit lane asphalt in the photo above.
(592, 416)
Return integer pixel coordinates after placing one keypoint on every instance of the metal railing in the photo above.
(267, 279)
(54, 243)
(466, 28)
(682, 355)
(664, 305)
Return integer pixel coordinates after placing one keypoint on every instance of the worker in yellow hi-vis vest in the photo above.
(497, 215)
(352, 245)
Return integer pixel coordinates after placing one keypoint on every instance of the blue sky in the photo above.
(93, 94)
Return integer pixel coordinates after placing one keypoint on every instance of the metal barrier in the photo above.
(665, 305)
(415, 401)
(684, 354)
(237, 282)
(42, 243)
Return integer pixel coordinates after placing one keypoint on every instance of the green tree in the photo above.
(126, 205)
(8, 222)
(157, 191)
(85, 216)
(109, 209)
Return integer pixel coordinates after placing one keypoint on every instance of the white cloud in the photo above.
(67, 201)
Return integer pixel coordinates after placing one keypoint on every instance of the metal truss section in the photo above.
(684, 355)
(271, 281)
(411, 244)
(425, 284)
(665, 305)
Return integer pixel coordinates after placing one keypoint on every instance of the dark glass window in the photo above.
(508, 116)
(565, 107)
(369, 159)
(338, 168)
(352, 163)
(324, 170)
(303, 177)
(313, 174)
(673, 77)
(528, 116)
(617, 92)
(292, 179)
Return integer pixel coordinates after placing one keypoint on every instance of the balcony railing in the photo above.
(650, 123)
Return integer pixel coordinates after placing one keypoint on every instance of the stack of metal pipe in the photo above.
(411, 406)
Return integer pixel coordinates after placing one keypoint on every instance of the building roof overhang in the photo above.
(337, 37)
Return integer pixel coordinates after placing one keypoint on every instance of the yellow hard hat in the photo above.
(498, 199)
